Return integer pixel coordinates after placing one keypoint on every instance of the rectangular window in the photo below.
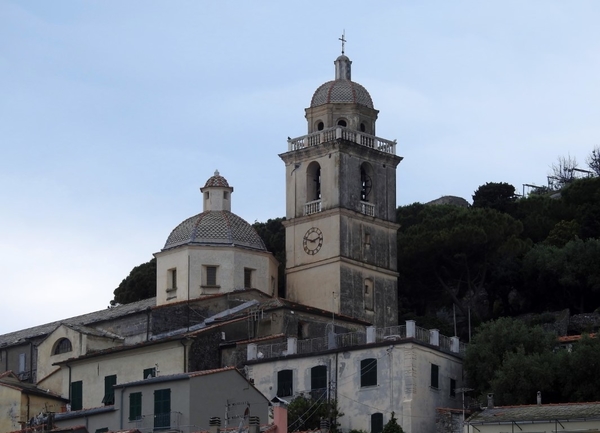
(135, 406)
(22, 362)
(172, 276)
(109, 391)
(285, 383)
(435, 376)
(211, 275)
(149, 372)
(77, 395)
(318, 381)
(368, 372)
(162, 408)
(369, 294)
(248, 278)
(452, 387)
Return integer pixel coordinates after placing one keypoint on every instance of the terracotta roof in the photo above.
(216, 181)
(537, 413)
(216, 227)
(571, 338)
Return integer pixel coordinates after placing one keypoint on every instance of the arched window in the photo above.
(366, 181)
(342, 122)
(377, 422)
(320, 126)
(369, 294)
(313, 181)
(62, 346)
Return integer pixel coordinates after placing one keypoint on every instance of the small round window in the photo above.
(342, 122)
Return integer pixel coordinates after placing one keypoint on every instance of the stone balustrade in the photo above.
(312, 207)
(340, 132)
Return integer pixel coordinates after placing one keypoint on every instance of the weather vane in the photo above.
(343, 39)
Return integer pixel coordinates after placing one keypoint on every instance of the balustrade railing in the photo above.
(391, 333)
(320, 137)
(312, 207)
(367, 208)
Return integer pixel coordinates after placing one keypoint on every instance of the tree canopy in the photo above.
(139, 284)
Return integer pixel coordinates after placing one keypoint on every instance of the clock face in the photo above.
(313, 240)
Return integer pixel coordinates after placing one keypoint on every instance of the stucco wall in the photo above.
(403, 383)
(230, 263)
(128, 365)
(10, 409)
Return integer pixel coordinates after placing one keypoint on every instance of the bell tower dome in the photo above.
(341, 206)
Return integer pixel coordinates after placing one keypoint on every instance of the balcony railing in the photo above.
(340, 132)
(159, 421)
(312, 207)
(349, 339)
(367, 208)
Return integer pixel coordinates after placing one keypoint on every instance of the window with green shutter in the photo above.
(162, 408)
(109, 391)
(135, 406)
(77, 395)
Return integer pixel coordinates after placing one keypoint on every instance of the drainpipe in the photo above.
(31, 361)
(28, 417)
(184, 342)
(69, 367)
(121, 410)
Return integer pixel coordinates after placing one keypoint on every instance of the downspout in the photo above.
(69, 367)
(28, 417)
(121, 410)
(183, 343)
(31, 361)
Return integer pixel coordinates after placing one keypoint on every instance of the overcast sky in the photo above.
(114, 113)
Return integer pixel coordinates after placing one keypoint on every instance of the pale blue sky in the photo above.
(113, 114)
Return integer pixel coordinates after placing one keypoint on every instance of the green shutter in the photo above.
(77, 395)
(109, 391)
(162, 408)
(135, 406)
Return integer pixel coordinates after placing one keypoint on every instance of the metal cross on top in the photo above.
(343, 39)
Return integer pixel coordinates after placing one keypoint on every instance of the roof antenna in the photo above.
(343, 39)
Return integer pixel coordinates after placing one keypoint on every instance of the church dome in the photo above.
(216, 181)
(215, 228)
(341, 91)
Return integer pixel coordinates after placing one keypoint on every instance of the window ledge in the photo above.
(171, 297)
(210, 287)
(171, 289)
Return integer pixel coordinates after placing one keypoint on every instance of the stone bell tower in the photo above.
(341, 206)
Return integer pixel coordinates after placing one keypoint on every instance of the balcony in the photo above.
(367, 208)
(340, 132)
(312, 207)
(159, 421)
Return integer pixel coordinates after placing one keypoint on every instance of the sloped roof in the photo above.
(537, 413)
(21, 337)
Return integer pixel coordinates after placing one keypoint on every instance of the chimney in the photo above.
(490, 400)
(539, 398)
(280, 418)
(254, 424)
(214, 424)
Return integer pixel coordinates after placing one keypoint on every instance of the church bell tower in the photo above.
(341, 206)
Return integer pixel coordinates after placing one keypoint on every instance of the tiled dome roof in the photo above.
(215, 228)
(340, 91)
(216, 180)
